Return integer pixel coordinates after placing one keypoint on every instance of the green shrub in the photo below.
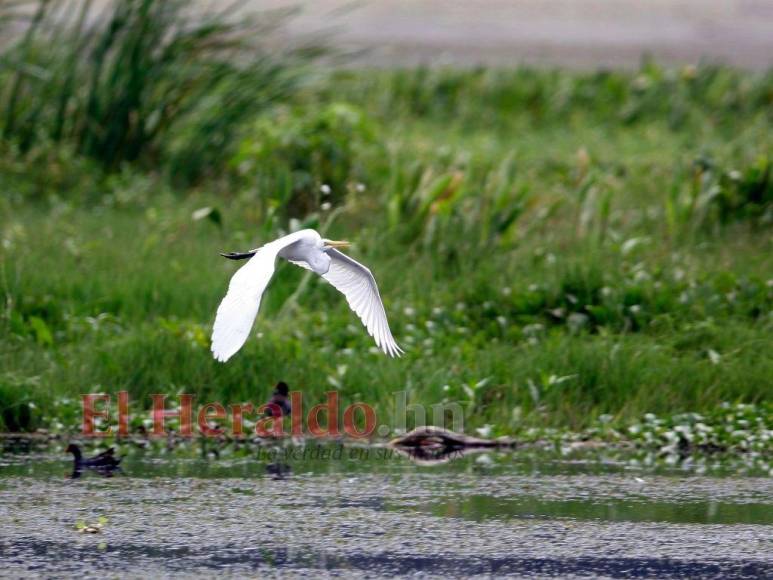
(304, 157)
(19, 405)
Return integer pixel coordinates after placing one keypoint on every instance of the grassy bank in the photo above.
(551, 246)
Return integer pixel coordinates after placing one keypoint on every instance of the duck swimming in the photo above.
(278, 470)
(105, 463)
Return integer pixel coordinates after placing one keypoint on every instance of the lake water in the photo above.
(334, 510)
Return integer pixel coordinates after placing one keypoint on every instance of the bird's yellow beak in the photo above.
(336, 243)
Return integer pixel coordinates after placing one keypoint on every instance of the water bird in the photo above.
(105, 462)
(278, 470)
(281, 398)
(307, 249)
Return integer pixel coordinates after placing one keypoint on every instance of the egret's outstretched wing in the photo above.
(238, 310)
(356, 282)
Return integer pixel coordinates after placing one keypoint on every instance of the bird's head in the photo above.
(335, 243)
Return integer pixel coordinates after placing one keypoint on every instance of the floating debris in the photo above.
(434, 445)
(431, 436)
(85, 528)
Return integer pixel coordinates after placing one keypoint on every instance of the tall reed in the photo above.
(140, 79)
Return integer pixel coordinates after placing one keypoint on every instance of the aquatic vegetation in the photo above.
(94, 528)
(741, 427)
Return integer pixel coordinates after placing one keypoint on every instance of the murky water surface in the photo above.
(321, 511)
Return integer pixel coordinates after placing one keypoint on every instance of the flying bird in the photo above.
(307, 249)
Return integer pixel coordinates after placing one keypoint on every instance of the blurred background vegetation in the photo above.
(552, 246)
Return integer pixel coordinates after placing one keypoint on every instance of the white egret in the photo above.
(305, 248)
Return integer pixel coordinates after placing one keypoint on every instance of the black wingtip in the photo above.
(238, 255)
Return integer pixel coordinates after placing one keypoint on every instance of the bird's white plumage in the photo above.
(238, 310)
(236, 313)
(356, 282)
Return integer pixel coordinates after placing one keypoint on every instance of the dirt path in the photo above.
(575, 33)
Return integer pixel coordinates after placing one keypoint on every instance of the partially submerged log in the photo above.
(437, 437)
(434, 445)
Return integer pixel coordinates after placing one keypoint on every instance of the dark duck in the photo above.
(279, 401)
(106, 462)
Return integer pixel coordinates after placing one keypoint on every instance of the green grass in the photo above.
(551, 247)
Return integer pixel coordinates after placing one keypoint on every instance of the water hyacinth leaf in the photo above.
(484, 431)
